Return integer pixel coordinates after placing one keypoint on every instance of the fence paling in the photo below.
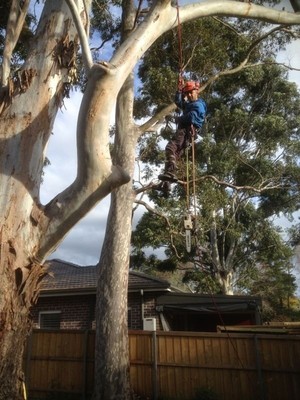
(172, 364)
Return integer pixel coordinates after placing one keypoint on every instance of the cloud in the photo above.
(61, 150)
(83, 243)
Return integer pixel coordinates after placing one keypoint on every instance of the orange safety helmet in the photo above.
(190, 85)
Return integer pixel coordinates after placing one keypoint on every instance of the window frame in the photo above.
(47, 313)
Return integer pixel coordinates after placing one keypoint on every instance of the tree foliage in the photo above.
(26, 34)
(247, 160)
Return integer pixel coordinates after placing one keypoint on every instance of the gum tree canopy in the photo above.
(30, 96)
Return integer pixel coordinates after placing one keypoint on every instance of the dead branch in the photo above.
(166, 219)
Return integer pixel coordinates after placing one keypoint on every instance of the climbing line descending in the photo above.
(194, 205)
(187, 179)
(190, 219)
(190, 216)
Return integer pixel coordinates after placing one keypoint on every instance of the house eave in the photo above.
(92, 291)
(65, 292)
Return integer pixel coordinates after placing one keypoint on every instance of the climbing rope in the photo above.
(190, 217)
(187, 178)
(194, 205)
(179, 34)
(190, 221)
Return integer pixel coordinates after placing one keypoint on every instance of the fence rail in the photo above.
(170, 365)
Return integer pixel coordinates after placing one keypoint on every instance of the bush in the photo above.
(205, 393)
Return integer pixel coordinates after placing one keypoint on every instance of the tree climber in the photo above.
(189, 124)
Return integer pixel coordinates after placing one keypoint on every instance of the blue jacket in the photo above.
(193, 111)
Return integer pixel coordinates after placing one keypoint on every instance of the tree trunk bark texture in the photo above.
(15, 325)
(112, 352)
(27, 112)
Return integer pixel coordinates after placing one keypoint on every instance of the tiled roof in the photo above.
(65, 277)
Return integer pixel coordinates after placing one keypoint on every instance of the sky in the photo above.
(83, 243)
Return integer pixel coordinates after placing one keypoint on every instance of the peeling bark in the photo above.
(26, 125)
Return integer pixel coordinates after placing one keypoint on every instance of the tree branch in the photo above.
(232, 8)
(155, 212)
(15, 24)
(230, 27)
(86, 52)
(157, 118)
(262, 188)
(243, 63)
(67, 208)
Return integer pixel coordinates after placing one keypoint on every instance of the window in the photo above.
(49, 319)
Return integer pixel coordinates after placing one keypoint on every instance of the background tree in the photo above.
(247, 161)
(30, 230)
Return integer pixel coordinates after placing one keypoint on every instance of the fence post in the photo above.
(259, 369)
(28, 361)
(154, 365)
(84, 356)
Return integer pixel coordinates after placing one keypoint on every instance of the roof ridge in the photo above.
(155, 278)
(69, 263)
(69, 276)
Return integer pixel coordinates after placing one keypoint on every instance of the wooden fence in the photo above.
(170, 365)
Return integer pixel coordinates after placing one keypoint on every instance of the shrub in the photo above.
(205, 393)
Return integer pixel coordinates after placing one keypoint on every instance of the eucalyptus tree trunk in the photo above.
(112, 352)
(28, 108)
(221, 258)
(30, 231)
